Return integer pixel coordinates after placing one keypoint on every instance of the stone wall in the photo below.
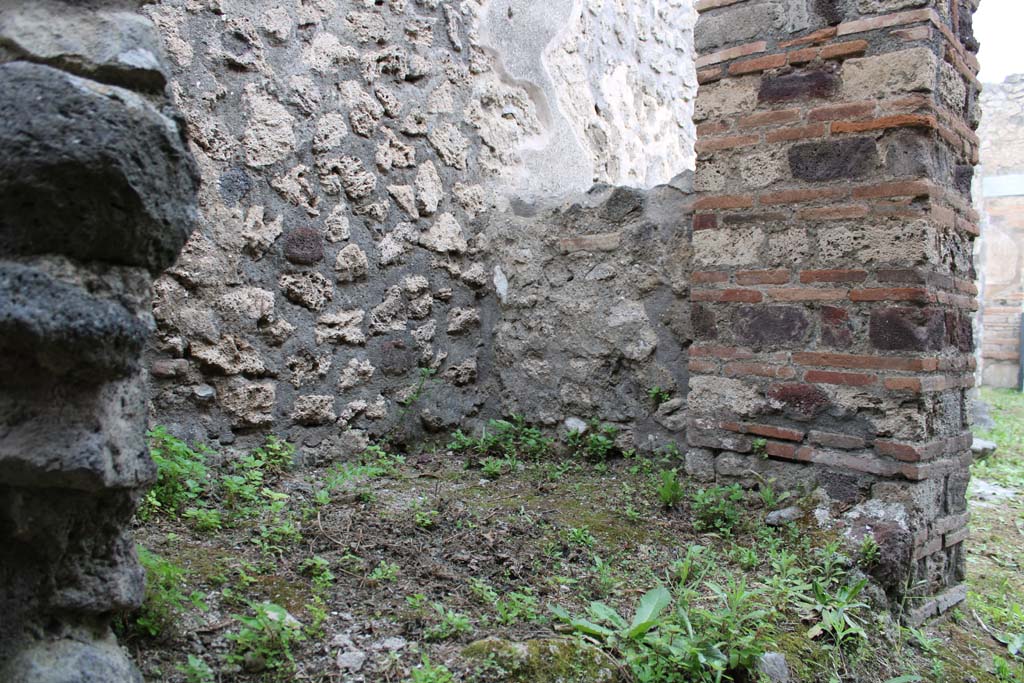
(372, 172)
(98, 194)
(833, 279)
(1001, 201)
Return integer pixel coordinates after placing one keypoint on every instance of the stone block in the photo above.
(816, 83)
(60, 329)
(799, 401)
(304, 246)
(915, 70)
(833, 159)
(740, 24)
(770, 326)
(902, 328)
(130, 205)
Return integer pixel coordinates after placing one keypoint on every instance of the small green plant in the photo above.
(203, 519)
(182, 475)
(196, 670)
(320, 570)
(430, 673)
(684, 645)
(165, 599)
(372, 463)
(384, 572)
(266, 638)
(451, 624)
(580, 536)
(416, 601)
(745, 557)
(425, 519)
(869, 552)
(759, 446)
(717, 509)
(670, 491)
(837, 613)
(597, 443)
(503, 442)
(658, 395)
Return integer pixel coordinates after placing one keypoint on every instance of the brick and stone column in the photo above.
(833, 284)
(98, 195)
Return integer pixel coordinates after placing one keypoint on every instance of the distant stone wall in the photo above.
(359, 162)
(1001, 200)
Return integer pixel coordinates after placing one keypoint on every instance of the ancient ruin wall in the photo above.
(350, 152)
(98, 194)
(833, 281)
(1001, 201)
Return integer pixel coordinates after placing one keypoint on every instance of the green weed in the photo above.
(717, 509)
(265, 639)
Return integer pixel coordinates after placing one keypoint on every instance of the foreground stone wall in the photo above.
(350, 152)
(833, 279)
(1001, 202)
(98, 195)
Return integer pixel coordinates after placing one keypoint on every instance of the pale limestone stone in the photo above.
(231, 355)
(336, 226)
(429, 189)
(393, 153)
(247, 303)
(444, 236)
(306, 368)
(270, 136)
(251, 404)
(727, 97)
(351, 264)
(451, 145)
(311, 290)
(461, 320)
(325, 53)
(330, 132)
(405, 197)
(356, 373)
(889, 74)
(341, 327)
(734, 247)
(389, 315)
(313, 410)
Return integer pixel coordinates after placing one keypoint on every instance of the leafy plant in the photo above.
(503, 441)
(580, 536)
(597, 443)
(182, 475)
(319, 570)
(374, 462)
(717, 508)
(685, 645)
(451, 624)
(658, 395)
(266, 638)
(670, 491)
(384, 572)
(837, 613)
(425, 519)
(165, 598)
(430, 673)
(869, 552)
(196, 670)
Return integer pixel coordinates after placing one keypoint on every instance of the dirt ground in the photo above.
(387, 569)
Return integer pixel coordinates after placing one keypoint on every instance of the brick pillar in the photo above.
(833, 284)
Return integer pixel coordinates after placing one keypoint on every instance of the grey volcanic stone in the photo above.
(982, 448)
(65, 330)
(833, 159)
(123, 193)
(115, 47)
(783, 516)
(72, 661)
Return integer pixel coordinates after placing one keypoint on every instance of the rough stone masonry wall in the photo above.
(350, 153)
(833, 282)
(98, 195)
(1001, 202)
